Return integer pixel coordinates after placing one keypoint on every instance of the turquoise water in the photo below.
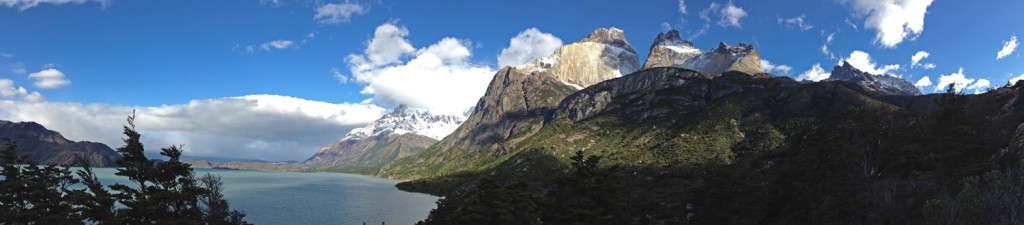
(312, 198)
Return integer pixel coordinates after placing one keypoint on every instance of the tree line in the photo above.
(160, 192)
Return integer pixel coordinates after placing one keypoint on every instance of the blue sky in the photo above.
(63, 62)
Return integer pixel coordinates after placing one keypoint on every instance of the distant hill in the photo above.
(50, 147)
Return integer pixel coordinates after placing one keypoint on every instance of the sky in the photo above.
(276, 79)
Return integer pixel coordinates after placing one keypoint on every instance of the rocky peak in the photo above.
(740, 48)
(878, 84)
(609, 36)
(669, 50)
(602, 55)
(670, 38)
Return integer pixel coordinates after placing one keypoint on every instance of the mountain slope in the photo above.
(516, 102)
(399, 133)
(50, 147)
(513, 107)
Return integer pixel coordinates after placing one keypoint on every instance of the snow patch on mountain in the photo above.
(405, 120)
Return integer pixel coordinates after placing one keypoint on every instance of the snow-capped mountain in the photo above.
(883, 84)
(404, 120)
(402, 132)
(669, 50)
(603, 55)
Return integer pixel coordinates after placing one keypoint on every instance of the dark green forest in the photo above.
(836, 164)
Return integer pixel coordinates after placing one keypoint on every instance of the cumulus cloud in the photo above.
(387, 46)
(267, 127)
(337, 13)
(893, 20)
(796, 22)
(528, 45)
(23, 5)
(958, 79)
(862, 61)
(924, 82)
(772, 68)
(439, 77)
(731, 15)
(917, 57)
(816, 73)
(1008, 48)
(980, 86)
(49, 79)
(682, 7)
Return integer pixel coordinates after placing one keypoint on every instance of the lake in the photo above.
(312, 198)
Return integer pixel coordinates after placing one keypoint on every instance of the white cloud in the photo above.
(797, 22)
(894, 20)
(980, 86)
(439, 77)
(6, 55)
(682, 7)
(824, 47)
(816, 73)
(9, 91)
(862, 61)
(1015, 79)
(916, 59)
(958, 80)
(336, 73)
(34, 97)
(387, 47)
(772, 68)
(928, 66)
(279, 44)
(337, 13)
(924, 82)
(731, 16)
(49, 79)
(23, 5)
(528, 45)
(7, 88)
(1008, 48)
(285, 128)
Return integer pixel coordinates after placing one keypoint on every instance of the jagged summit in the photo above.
(671, 38)
(404, 119)
(740, 48)
(669, 50)
(880, 84)
(609, 36)
(602, 55)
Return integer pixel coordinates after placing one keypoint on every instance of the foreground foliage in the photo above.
(162, 192)
(758, 160)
